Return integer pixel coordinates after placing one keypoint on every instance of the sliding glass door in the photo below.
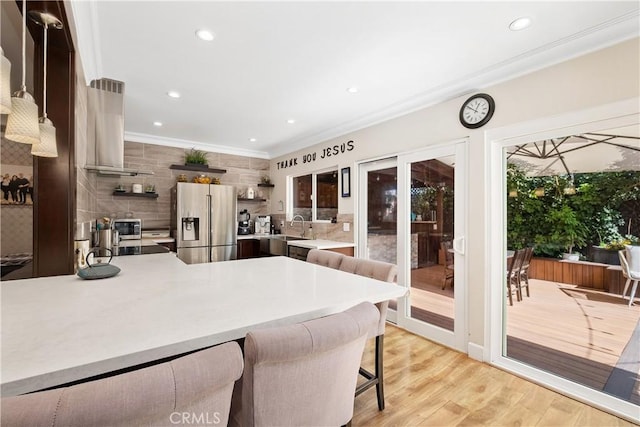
(569, 329)
(412, 214)
(432, 230)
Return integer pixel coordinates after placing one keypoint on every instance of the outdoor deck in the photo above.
(578, 333)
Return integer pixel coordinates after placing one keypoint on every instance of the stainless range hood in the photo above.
(105, 129)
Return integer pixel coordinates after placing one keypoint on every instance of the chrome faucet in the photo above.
(301, 219)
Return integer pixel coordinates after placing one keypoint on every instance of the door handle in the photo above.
(458, 245)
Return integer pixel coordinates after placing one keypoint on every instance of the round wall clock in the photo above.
(477, 111)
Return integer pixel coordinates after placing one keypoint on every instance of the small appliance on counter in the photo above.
(263, 224)
(129, 228)
(82, 242)
(244, 223)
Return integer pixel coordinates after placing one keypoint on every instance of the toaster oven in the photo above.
(129, 228)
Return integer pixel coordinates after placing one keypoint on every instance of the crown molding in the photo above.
(582, 43)
(184, 143)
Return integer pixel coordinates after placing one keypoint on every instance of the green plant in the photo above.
(196, 157)
(566, 229)
(424, 200)
(266, 180)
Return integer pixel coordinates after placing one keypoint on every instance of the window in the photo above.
(315, 196)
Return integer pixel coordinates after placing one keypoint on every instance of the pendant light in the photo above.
(5, 84)
(47, 146)
(22, 123)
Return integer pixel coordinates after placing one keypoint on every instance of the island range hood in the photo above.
(105, 129)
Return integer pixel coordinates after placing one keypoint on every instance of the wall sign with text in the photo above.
(331, 151)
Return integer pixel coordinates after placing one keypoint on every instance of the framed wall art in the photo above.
(346, 181)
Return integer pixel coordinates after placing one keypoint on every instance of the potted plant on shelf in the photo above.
(567, 231)
(196, 158)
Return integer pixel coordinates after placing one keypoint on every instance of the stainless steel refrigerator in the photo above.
(205, 222)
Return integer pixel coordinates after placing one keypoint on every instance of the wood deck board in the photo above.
(574, 332)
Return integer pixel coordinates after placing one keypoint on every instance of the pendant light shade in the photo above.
(5, 84)
(47, 147)
(22, 123)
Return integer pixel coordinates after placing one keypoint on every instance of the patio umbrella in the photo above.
(608, 151)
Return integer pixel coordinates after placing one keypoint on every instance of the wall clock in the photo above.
(477, 111)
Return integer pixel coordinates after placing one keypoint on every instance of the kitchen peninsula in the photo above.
(62, 329)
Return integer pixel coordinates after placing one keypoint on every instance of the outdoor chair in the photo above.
(303, 374)
(513, 275)
(523, 279)
(630, 276)
(200, 383)
(447, 248)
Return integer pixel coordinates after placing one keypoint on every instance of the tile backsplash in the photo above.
(242, 172)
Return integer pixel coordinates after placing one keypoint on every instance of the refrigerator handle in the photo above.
(210, 230)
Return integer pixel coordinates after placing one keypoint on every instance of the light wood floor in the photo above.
(428, 384)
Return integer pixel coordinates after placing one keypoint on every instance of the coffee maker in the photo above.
(263, 224)
(244, 225)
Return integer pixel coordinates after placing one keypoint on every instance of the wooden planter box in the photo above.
(594, 275)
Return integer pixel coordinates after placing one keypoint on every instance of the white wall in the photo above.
(591, 80)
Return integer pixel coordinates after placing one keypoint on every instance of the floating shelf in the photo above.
(244, 199)
(129, 194)
(266, 185)
(197, 168)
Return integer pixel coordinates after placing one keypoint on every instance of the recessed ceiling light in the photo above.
(157, 124)
(205, 35)
(291, 121)
(173, 94)
(520, 23)
(252, 140)
(352, 89)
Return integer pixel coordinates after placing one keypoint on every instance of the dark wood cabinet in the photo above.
(248, 248)
(169, 245)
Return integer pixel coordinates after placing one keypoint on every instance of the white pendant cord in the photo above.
(44, 82)
(24, 45)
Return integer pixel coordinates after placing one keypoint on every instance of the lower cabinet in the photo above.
(169, 245)
(298, 252)
(248, 248)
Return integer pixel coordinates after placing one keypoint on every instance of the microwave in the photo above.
(128, 229)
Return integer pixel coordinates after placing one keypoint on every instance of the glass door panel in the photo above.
(431, 190)
(431, 237)
(382, 212)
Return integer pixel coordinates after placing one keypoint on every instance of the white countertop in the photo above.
(320, 244)
(60, 329)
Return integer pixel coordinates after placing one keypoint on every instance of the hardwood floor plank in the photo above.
(431, 385)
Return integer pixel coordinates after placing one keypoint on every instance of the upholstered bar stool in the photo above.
(386, 272)
(303, 374)
(325, 258)
(197, 386)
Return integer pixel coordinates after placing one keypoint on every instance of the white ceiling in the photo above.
(272, 61)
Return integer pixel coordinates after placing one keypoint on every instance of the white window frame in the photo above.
(314, 190)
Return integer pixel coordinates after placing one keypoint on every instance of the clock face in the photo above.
(477, 111)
